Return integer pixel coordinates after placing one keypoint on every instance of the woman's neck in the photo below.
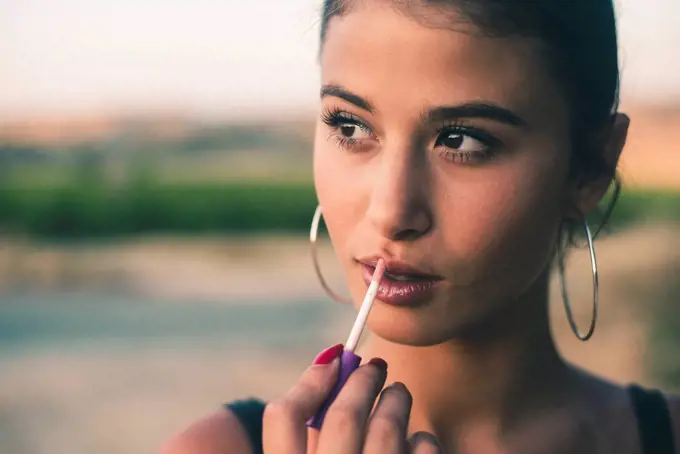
(493, 383)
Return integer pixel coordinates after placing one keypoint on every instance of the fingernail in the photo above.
(396, 385)
(327, 356)
(423, 437)
(379, 363)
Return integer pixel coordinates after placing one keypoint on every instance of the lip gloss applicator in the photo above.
(349, 361)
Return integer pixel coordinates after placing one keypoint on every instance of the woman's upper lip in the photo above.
(396, 267)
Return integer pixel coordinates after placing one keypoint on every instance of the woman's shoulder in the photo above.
(235, 429)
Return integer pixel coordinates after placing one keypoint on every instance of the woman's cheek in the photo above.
(503, 222)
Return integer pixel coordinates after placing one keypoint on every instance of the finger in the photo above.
(387, 427)
(284, 428)
(345, 423)
(424, 443)
(312, 440)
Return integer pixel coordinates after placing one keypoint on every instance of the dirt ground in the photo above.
(129, 400)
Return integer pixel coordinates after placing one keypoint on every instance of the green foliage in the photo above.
(89, 206)
(664, 361)
(647, 206)
(90, 209)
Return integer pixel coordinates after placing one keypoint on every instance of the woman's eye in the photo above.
(348, 131)
(461, 142)
(460, 145)
(353, 131)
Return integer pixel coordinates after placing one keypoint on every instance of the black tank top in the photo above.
(654, 422)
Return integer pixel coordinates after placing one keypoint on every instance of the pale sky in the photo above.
(226, 56)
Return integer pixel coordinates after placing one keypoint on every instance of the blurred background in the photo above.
(155, 194)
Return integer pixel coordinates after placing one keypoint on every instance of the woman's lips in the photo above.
(401, 289)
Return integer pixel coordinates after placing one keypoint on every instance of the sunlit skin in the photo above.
(475, 199)
(490, 217)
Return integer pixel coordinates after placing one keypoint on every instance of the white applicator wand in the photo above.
(349, 361)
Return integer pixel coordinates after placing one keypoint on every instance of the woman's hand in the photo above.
(350, 427)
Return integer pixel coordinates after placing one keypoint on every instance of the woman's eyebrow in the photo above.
(341, 92)
(486, 110)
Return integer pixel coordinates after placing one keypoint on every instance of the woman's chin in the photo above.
(415, 330)
(428, 326)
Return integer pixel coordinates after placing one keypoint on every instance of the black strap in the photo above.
(249, 412)
(654, 421)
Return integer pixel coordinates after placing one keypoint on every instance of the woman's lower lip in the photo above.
(400, 292)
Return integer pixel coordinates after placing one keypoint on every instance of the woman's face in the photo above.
(444, 151)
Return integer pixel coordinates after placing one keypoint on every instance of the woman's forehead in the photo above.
(380, 52)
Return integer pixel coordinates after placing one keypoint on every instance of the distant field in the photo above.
(183, 149)
(170, 169)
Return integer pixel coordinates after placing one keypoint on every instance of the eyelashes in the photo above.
(454, 141)
(464, 144)
(346, 129)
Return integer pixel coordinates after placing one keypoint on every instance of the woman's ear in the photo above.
(589, 194)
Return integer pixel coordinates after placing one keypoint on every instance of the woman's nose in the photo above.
(399, 208)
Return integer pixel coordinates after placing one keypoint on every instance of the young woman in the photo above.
(463, 142)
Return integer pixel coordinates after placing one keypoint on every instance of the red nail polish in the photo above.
(379, 363)
(327, 356)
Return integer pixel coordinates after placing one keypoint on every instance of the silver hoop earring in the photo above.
(313, 233)
(565, 298)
